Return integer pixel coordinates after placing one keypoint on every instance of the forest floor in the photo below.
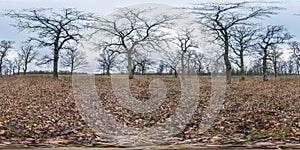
(37, 111)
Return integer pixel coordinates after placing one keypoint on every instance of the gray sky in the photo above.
(286, 17)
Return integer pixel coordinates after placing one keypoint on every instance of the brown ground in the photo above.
(35, 110)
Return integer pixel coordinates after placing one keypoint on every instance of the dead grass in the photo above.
(37, 110)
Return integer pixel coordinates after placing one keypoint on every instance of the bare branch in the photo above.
(129, 31)
(53, 29)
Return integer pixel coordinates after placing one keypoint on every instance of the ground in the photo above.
(37, 111)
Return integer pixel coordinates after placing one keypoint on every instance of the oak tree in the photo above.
(52, 28)
(220, 18)
(5, 47)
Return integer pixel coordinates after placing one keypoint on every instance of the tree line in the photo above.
(131, 38)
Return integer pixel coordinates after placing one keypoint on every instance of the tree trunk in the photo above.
(55, 64)
(208, 71)
(143, 70)
(227, 62)
(130, 70)
(108, 70)
(188, 67)
(25, 69)
(1, 67)
(265, 67)
(275, 69)
(182, 67)
(242, 67)
(72, 69)
(72, 66)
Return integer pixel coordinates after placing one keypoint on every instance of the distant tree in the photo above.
(107, 60)
(161, 67)
(290, 67)
(73, 58)
(5, 47)
(142, 62)
(242, 41)
(295, 54)
(131, 32)
(198, 61)
(27, 55)
(52, 28)
(173, 61)
(270, 36)
(220, 18)
(295, 47)
(18, 63)
(275, 55)
(257, 67)
(9, 67)
(185, 44)
(282, 65)
(189, 63)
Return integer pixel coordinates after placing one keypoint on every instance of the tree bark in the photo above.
(25, 69)
(72, 66)
(182, 67)
(55, 65)
(265, 68)
(130, 70)
(275, 69)
(1, 68)
(227, 61)
(72, 69)
(143, 70)
(242, 67)
(108, 70)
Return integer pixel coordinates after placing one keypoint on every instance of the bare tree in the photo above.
(241, 44)
(275, 55)
(220, 18)
(9, 67)
(257, 67)
(107, 60)
(173, 60)
(53, 29)
(295, 54)
(131, 31)
(198, 61)
(142, 61)
(5, 46)
(18, 63)
(295, 47)
(27, 54)
(281, 67)
(186, 44)
(161, 67)
(270, 36)
(73, 58)
(290, 67)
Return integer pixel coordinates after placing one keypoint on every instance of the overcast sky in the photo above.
(287, 17)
